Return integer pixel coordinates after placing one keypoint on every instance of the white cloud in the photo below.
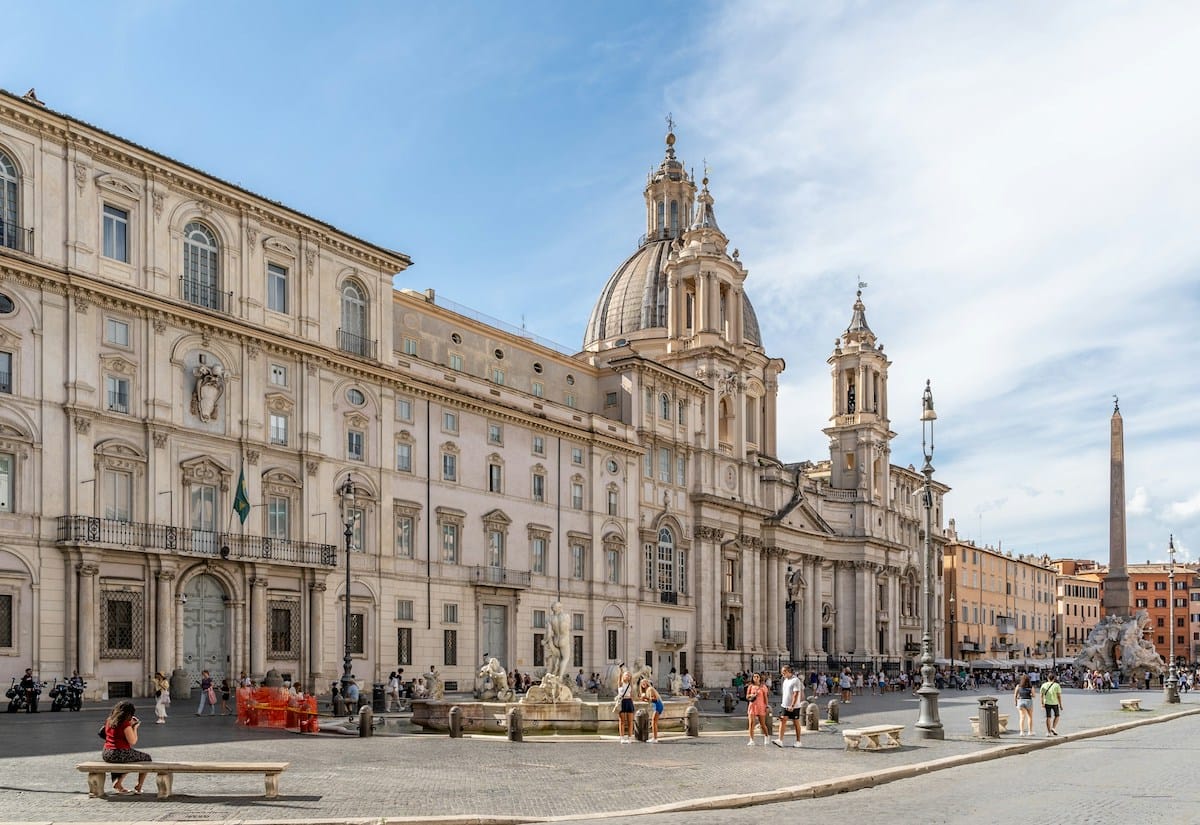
(1017, 185)
(1182, 511)
(1139, 505)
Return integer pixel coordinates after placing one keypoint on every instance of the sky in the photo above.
(1018, 185)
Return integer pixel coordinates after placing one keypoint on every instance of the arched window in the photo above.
(665, 567)
(725, 424)
(9, 214)
(201, 272)
(355, 331)
(674, 217)
(661, 223)
(664, 407)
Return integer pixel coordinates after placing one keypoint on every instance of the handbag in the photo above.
(103, 733)
(212, 696)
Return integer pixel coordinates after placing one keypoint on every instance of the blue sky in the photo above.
(1018, 183)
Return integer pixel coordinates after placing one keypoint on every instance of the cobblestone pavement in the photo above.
(338, 777)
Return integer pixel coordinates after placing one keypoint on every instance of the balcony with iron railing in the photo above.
(16, 237)
(5, 382)
(663, 233)
(205, 295)
(672, 637)
(500, 577)
(356, 344)
(92, 530)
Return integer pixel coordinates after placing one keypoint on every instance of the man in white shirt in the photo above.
(793, 692)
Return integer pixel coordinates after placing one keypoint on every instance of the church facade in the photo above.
(169, 341)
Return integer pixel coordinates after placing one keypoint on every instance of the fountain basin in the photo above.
(550, 717)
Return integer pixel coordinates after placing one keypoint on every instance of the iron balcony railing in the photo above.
(5, 382)
(668, 597)
(661, 234)
(675, 637)
(188, 542)
(500, 576)
(16, 237)
(356, 344)
(204, 295)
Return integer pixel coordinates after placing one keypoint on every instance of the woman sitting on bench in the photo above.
(120, 735)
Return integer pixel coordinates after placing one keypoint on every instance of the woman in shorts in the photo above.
(1023, 699)
(756, 696)
(625, 707)
(649, 693)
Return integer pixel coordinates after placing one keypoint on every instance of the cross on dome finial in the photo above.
(670, 123)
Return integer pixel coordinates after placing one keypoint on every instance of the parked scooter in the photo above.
(66, 696)
(16, 697)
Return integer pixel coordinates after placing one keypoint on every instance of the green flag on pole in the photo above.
(241, 502)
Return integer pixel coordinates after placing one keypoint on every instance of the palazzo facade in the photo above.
(166, 337)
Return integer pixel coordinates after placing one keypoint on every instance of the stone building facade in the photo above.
(165, 335)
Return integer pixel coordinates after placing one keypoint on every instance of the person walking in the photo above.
(624, 702)
(1023, 699)
(120, 735)
(756, 711)
(162, 697)
(1051, 695)
(393, 692)
(649, 693)
(225, 691)
(793, 692)
(208, 696)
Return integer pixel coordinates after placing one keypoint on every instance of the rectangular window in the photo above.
(279, 429)
(116, 332)
(277, 517)
(539, 487)
(450, 613)
(404, 610)
(404, 409)
(610, 399)
(577, 456)
(118, 631)
(495, 434)
(664, 464)
(578, 561)
(449, 467)
(497, 376)
(404, 457)
(1160, 585)
(282, 640)
(118, 495)
(612, 502)
(539, 389)
(612, 645)
(450, 647)
(613, 565)
(354, 445)
(6, 376)
(456, 362)
(495, 479)
(495, 551)
(1139, 585)
(539, 445)
(577, 621)
(116, 233)
(450, 543)
(570, 400)
(117, 393)
(539, 649)
(278, 375)
(404, 645)
(450, 422)
(539, 618)
(277, 288)
(537, 556)
(680, 471)
(357, 518)
(410, 347)
(6, 621)
(358, 633)
(8, 465)
(648, 465)
(577, 496)
(577, 651)
(404, 537)
(1160, 602)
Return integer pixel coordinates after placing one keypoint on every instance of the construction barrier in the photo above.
(267, 707)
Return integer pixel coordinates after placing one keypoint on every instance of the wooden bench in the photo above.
(856, 737)
(164, 772)
(975, 724)
(1131, 704)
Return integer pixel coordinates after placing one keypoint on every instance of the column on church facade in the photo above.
(814, 612)
(236, 612)
(164, 622)
(894, 613)
(864, 608)
(258, 627)
(88, 611)
(672, 321)
(772, 598)
(316, 638)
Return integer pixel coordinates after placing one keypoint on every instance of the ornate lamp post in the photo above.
(1171, 688)
(346, 491)
(953, 622)
(929, 726)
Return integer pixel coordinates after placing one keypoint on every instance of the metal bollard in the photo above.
(691, 721)
(812, 715)
(365, 726)
(456, 722)
(516, 721)
(833, 710)
(641, 725)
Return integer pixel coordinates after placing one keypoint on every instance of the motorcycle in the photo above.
(75, 694)
(17, 700)
(60, 697)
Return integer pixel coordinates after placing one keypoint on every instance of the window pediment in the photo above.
(356, 420)
(117, 455)
(450, 447)
(274, 243)
(406, 508)
(205, 470)
(114, 184)
(279, 403)
(405, 437)
(538, 531)
(118, 365)
(280, 483)
(496, 518)
(450, 515)
(495, 458)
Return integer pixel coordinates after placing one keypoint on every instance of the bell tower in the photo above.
(859, 431)
(669, 195)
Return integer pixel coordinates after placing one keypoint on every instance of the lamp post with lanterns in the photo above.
(929, 726)
(953, 623)
(346, 491)
(1171, 686)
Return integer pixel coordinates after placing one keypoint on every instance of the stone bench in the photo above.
(164, 772)
(975, 724)
(867, 739)
(1131, 704)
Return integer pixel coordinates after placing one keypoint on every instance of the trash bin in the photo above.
(989, 717)
(378, 697)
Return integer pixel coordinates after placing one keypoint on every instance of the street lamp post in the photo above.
(929, 726)
(953, 622)
(1171, 688)
(347, 493)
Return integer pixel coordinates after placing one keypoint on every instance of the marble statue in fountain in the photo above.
(556, 685)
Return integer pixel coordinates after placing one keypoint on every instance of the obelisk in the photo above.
(1116, 583)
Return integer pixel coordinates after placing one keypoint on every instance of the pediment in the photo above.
(205, 470)
(274, 243)
(279, 403)
(8, 338)
(114, 184)
(496, 517)
(118, 365)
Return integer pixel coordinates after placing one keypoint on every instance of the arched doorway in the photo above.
(205, 628)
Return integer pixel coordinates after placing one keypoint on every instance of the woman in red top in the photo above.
(120, 735)
(756, 695)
